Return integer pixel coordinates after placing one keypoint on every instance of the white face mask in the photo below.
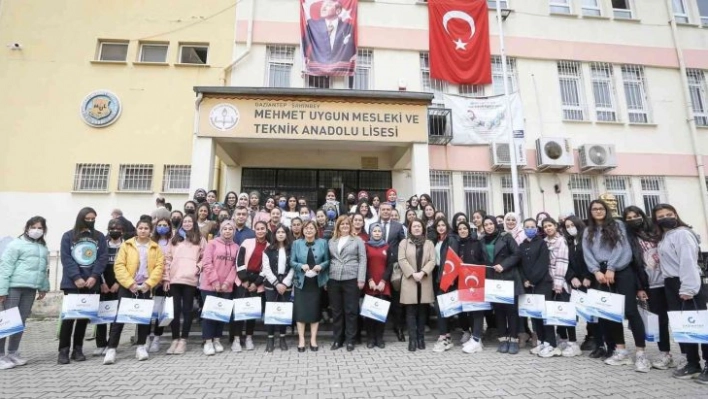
(35, 234)
(572, 231)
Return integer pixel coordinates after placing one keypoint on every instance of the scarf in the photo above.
(372, 242)
(417, 240)
(488, 238)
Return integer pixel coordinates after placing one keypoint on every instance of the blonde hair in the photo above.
(338, 223)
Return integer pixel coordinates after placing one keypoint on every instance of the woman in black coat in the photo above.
(444, 243)
(472, 323)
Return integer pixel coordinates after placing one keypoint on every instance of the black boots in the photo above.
(77, 354)
(63, 356)
(421, 343)
(411, 344)
(283, 344)
(399, 335)
(270, 344)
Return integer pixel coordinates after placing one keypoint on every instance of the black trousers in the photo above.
(507, 318)
(344, 301)
(660, 306)
(565, 332)
(625, 284)
(544, 333)
(102, 329)
(375, 329)
(75, 328)
(443, 322)
(117, 328)
(672, 286)
(273, 296)
(154, 324)
(416, 316)
(183, 297)
(236, 327)
(396, 312)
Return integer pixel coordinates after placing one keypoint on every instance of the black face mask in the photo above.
(115, 234)
(635, 224)
(176, 223)
(200, 199)
(222, 218)
(90, 225)
(667, 223)
(189, 211)
(351, 201)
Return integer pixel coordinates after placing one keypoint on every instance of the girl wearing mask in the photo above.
(230, 202)
(84, 256)
(296, 225)
(331, 200)
(217, 279)
(206, 225)
(176, 219)
(249, 267)
(278, 278)
(190, 207)
(181, 277)
(305, 214)
(358, 224)
(292, 210)
(200, 195)
(161, 236)
(324, 228)
(109, 285)
(211, 197)
(23, 273)
(499, 250)
(378, 273)
(416, 256)
(138, 269)
(470, 251)
(678, 257)
(444, 242)
(608, 255)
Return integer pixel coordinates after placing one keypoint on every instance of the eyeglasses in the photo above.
(598, 209)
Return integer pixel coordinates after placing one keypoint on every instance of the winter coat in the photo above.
(24, 265)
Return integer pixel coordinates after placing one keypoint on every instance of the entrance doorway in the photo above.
(314, 183)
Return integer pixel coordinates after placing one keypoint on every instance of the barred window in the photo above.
(176, 178)
(583, 190)
(570, 77)
(91, 176)
(635, 91)
(317, 82)
(135, 177)
(619, 187)
(492, 4)
(441, 191)
(508, 194)
(498, 75)
(699, 94)
(477, 191)
(363, 79)
(603, 90)
(435, 86)
(471, 90)
(279, 65)
(653, 192)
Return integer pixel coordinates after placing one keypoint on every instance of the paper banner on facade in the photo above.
(482, 120)
(328, 31)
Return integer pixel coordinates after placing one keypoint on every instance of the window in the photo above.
(508, 194)
(471, 90)
(492, 4)
(699, 99)
(176, 178)
(280, 65)
(498, 75)
(362, 78)
(435, 86)
(653, 192)
(592, 8)
(559, 6)
(317, 82)
(477, 191)
(603, 91)
(703, 11)
(680, 11)
(583, 191)
(135, 177)
(193, 54)
(441, 191)
(153, 52)
(571, 86)
(619, 187)
(635, 93)
(91, 177)
(622, 9)
(112, 51)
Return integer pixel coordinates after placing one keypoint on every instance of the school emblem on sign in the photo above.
(223, 117)
(100, 108)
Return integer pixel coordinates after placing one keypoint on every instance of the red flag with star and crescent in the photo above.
(451, 270)
(459, 41)
(470, 286)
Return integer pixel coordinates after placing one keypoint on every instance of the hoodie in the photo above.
(183, 263)
(219, 265)
(597, 252)
(678, 257)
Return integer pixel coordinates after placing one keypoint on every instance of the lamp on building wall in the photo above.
(402, 84)
(14, 46)
(505, 12)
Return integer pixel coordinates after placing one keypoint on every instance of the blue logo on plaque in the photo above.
(100, 108)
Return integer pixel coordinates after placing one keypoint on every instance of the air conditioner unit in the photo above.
(501, 156)
(597, 157)
(553, 153)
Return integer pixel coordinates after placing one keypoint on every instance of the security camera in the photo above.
(15, 46)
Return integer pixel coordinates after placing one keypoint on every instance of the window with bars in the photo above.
(477, 189)
(441, 191)
(194, 54)
(559, 6)
(619, 187)
(622, 9)
(471, 90)
(699, 99)
(498, 75)
(112, 51)
(317, 82)
(591, 8)
(363, 79)
(175, 178)
(280, 65)
(435, 86)
(635, 91)
(91, 176)
(135, 177)
(583, 190)
(492, 4)
(703, 11)
(680, 11)
(570, 77)
(603, 91)
(653, 192)
(508, 195)
(153, 52)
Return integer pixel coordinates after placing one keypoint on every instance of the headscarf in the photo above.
(372, 242)
(227, 222)
(469, 237)
(518, 231)
(197, 192)
(493, 236)
(389, 192)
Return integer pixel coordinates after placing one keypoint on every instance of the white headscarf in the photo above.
(518, 231)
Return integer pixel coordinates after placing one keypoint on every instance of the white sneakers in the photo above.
(249, 343)
(173, 346)
(209, 348)
(218, 348)
(472, 346)
(6, 364)
(99, 351)
(664, 362)
(549, 351)
(537, 349)
(16, 359)
(465, 337)
(642, 364)
(571, 350)
(443, 344)
(110, 357)
(154, 345)
(236, 346)
(619, 358)
(141, 353)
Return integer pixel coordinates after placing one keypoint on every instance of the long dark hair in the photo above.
(648, 231)
(369, 214)
(579, 225)
(609, 230)
(424, 218)
(208, 208)
(155, 236)
(447, 229)
(274, 246)
(80, 224)
(194, 236)
(679, 222)
(226, 201)
(34, 220)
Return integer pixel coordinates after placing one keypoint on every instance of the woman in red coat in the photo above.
(378, 275)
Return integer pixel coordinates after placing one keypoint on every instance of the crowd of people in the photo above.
(324, 259)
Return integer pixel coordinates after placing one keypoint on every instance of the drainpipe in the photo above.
(249, 42)
(197, 103)
(689, 111)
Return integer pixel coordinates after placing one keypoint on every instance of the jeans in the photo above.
(22, 299)
(117, 328)
(77, 327)
(344, 301)
(273, 296)
(183, 297)
(625, 284)
(211, 328)
(672, 286)
(416, 315)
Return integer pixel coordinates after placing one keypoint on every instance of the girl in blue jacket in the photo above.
(23, 272)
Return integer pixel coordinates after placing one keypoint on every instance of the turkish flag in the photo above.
(451, 269)
(470, 286)
(459, 41)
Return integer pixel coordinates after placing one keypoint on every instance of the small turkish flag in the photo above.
(451, 269)
(459, 41)
(470, 286)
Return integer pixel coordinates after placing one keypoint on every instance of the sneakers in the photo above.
(513, 346)
(99, 351)
(465, 337)
(599, 352)
(173, 346)
(538, 348)
(664, 362)
(209, 348)
(443, 344)
(16, 359)
(218, 348)
(154, 345)
(141, 353)
(524, 339)
(571, 350)
(588, 344)
(642, 364)
(703, 377)
(249, 343)
(236, 346)
(503, 345)
(687, 372)
(181, 347)
(562, 344)
(681, 362)
(619, 358)
(6, 364)
(549, 351)
(110, 357)
(472, 346)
